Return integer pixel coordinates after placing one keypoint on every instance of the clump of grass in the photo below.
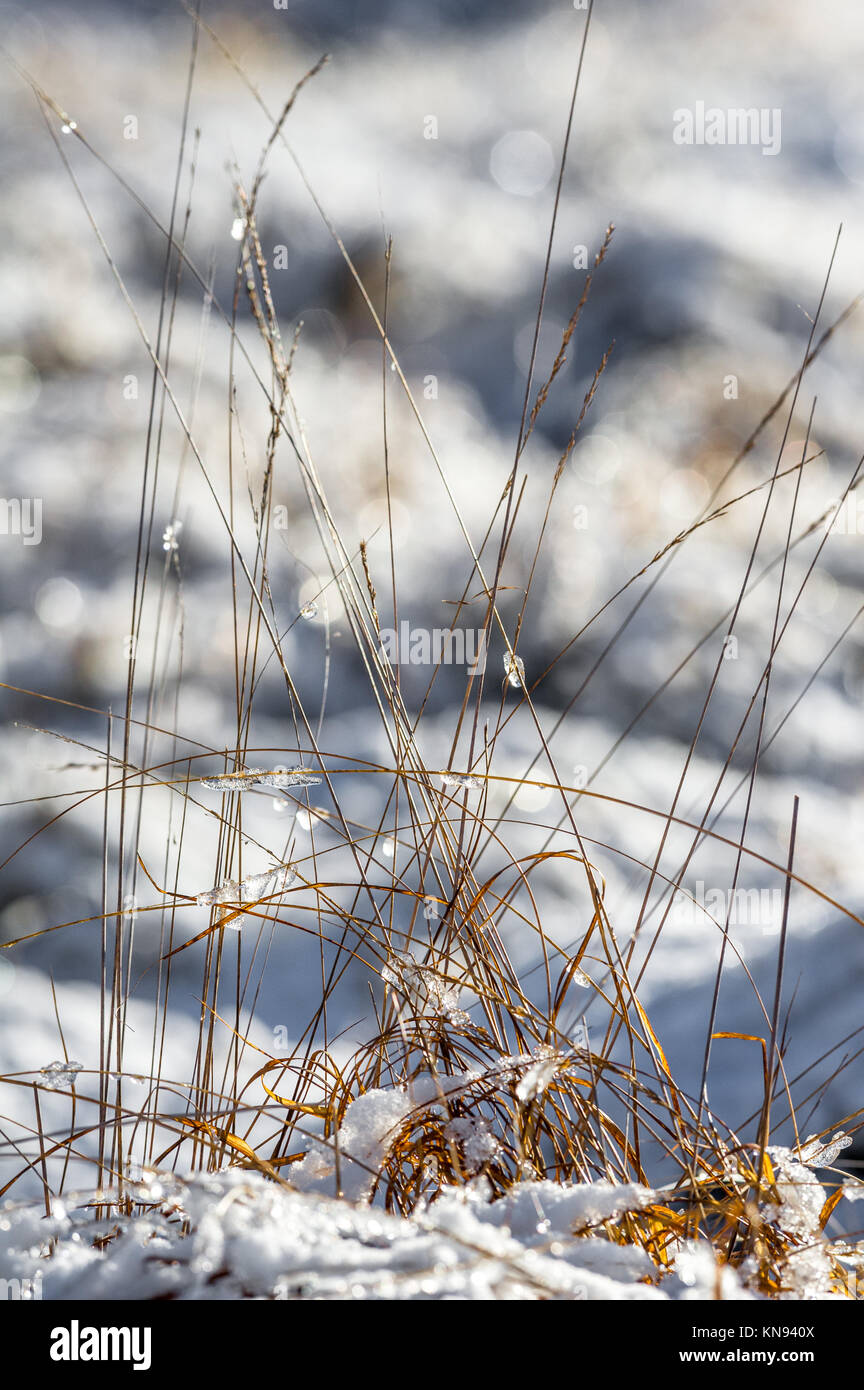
(510, 1074)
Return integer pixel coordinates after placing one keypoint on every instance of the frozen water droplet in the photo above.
(171, 535)
(276, 879)
(238, 229)
(68, 127)
(388, 847)
(251, 889)
(431, 909)
(514, 670)
(459, 779)
(59, 1076)
(819, 1153)
(306, 819)
(539, 1077)
(228, 892)
(581, 979)
(309, 611)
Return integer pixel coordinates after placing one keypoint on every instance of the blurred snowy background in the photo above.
(718, 258)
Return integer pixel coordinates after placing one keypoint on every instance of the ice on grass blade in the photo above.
(277, 879)
(425, 989)
(539, 1077)
(230, 782)
(260, 777)
(581, 979)
(289, 777)
(514, 671)
(463, 780)
(251, 889)
(227, 892)
(171, 535)
(59, 1076)
(431, 909)
(238, 229)
(821, 1153)
(309, 611)
(853, 1191)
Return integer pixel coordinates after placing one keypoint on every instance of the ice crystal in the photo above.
(539, 1076)
(251, 889)
(425, 988)
(514, 670)
(459, 779)
(59, 1076)
(259, 777)
(819, 1153)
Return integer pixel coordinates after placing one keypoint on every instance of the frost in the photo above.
(427, 991)
(816, 1153)
(514, 670)
(59, 1076)
(460, 779)
(260, 777)
(853, 1191)
(540, 1076)
(476, 1140)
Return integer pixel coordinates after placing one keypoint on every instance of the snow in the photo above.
(252, 1239)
